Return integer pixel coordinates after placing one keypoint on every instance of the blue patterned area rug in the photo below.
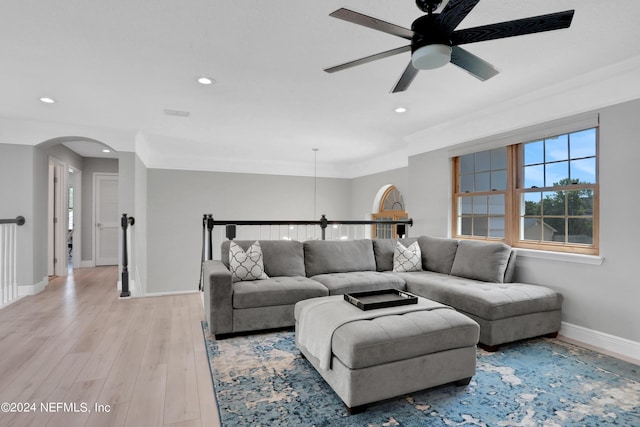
(262, 380)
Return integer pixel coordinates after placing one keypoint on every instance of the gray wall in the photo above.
(23, 191)
(602, 297)
(126, 204)
(176, 201)
(62, 153)
(40, 214)
(140, 227)
(365, 188)
(430, 193)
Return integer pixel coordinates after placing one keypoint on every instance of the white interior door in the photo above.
(51, 254)
(106, 219)
(57, 219)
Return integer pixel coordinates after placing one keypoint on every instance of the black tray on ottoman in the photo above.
(380, 299)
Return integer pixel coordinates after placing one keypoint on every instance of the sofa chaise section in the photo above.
(476, 282)
(506, 312)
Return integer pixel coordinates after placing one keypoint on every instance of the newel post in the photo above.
(323, 225)
(124, 223)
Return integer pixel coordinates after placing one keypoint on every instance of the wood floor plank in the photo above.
(190, 423)
(24, 384)
(74, 408)
(103, 356)
(181, 402)
(120, 382)
(109, 416)
(208, 406)
(157, 350)
(147, 405)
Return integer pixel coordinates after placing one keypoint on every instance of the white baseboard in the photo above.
(87, 264)
(25, 290)
(603, 342)
(163, 294)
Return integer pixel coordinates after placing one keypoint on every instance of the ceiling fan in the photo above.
(436, 42)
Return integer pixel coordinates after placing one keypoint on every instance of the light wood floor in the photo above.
(144, 359)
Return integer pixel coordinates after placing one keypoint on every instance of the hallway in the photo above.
(93, 359)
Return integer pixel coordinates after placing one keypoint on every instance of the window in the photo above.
(391, 209)
(483, 182)
(541, 194)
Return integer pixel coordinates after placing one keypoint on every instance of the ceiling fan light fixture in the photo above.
(431, 56)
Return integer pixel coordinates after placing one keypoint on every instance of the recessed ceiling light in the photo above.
(47, 100)
(177, 113)
(205, 80)
(401, 110)
(106, 150)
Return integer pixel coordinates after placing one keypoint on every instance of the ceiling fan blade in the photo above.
(371, 22)
(519, 27)
(474, 65)
(454, 12)
(405, 79)
(370, 58)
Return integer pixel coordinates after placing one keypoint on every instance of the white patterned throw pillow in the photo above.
(407, 259)
(246, 265)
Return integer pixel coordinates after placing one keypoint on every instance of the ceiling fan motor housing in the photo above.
(427, 31)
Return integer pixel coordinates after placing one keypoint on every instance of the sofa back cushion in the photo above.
(438, 253)
(281, 257)
(486, 261)
(383, 250)
(340, 256)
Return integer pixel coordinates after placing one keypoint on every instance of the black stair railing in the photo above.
(17, 220)
(208, 223)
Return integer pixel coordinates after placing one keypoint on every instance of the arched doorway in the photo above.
(73, 204)
(388, 205)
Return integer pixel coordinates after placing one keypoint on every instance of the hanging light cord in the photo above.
(315, 180)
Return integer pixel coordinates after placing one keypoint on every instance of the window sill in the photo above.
(559, 256)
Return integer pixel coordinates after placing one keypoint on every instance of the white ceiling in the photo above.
(88, 148)
(119, 64)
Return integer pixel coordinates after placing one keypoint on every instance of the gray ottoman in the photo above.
(389, 352)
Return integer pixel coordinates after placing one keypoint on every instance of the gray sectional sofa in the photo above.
(471, 276)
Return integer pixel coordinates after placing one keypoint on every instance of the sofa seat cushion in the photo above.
(359, 281)
(487, 300)
(365, 343)
(275, 291)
